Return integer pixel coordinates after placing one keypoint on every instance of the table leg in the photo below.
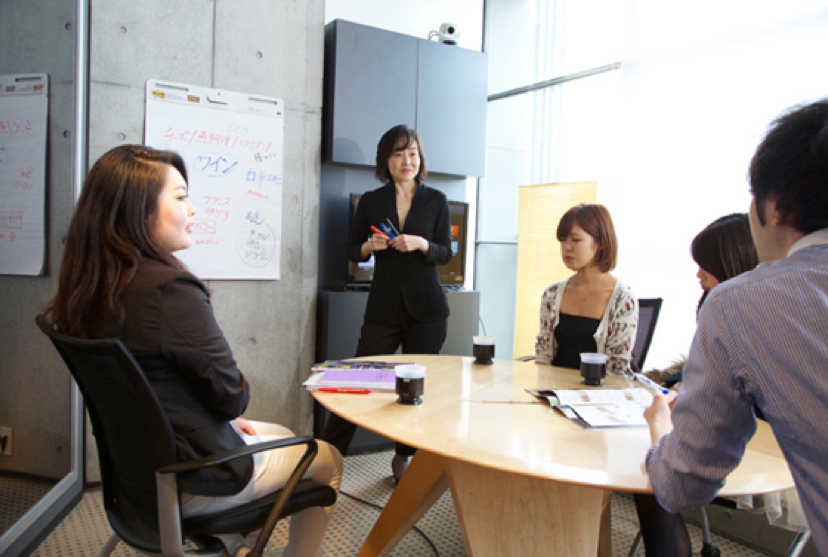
(421, 486)
(605, 537)
(501, 513)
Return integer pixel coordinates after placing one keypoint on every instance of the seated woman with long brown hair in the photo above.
(120, 279)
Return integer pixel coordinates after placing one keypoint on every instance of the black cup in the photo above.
(410, 390)
(593, 368)
(592, 373)
(483, 350)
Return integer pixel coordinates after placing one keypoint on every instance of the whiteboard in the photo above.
(232, 144)
(24, 110)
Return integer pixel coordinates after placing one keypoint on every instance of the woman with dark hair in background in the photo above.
(120, 279)
(723, 250)
(407, 305)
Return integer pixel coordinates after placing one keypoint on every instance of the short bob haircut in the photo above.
(398, 138)
(597, 222)
(790, 167)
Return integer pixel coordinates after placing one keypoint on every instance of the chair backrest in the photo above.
(648, 309)
(133, 435)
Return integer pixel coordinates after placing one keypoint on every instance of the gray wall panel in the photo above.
(37, 37)
(370, 66)
(275, 48)
(133, 41)
(34, 385)
(496, 281)
(451, 107)
(114, 117)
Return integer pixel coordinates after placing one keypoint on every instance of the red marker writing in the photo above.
(346, 391)
(378, 231)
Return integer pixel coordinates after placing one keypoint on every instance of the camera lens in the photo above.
(450, 30)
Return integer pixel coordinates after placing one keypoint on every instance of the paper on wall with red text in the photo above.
(232, 144)
(24, 108)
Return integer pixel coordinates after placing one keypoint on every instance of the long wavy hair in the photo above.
(110, 234)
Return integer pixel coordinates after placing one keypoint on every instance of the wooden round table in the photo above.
(524, 479)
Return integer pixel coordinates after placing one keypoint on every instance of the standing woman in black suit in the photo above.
(407, 305)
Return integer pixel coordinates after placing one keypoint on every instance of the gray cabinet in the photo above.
(451, 108)
(376, 79)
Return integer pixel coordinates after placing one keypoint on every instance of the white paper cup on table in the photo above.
(410, 384)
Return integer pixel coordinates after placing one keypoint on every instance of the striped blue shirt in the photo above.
(762, 339)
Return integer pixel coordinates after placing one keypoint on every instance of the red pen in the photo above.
(378, 231)
(346, 391)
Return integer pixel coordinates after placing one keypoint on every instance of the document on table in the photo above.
(600, 408)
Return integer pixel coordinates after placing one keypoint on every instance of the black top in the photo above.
(573, 335)
(170, 328)
(411, 276)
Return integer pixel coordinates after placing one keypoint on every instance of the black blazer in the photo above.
(411, 276)
(170, 328)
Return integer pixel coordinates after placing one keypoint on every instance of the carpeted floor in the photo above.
(85, 530)
(18, 494)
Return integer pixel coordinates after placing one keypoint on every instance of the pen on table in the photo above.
(392, 227)
(345, 391)
(387, 230)
(378, 231)
(650, 383)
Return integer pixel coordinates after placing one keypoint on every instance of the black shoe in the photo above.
(399, 464)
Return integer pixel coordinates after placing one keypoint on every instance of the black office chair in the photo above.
(136, 451)
(648, 310)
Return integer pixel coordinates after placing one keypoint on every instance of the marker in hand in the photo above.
(641, 378)
(378, 231)
(387, 231)
(392, 227)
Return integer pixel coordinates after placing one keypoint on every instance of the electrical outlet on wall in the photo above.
(6, 432)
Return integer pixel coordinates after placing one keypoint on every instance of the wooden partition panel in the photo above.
(539, 253)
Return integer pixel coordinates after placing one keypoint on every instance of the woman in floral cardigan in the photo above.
(591, 311)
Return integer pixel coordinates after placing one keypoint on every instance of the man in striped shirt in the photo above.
(762, 339)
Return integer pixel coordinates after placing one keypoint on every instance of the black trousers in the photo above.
(664, 533)
(416, 337)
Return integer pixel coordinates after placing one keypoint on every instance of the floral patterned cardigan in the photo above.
(614, 337)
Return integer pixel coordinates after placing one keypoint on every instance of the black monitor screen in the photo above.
(452, 273)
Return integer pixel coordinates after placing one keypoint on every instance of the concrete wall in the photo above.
(34, 384)
(253, 46)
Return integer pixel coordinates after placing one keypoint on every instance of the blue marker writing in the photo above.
(650, 383)
(387, 230)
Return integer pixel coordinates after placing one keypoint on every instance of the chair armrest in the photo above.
(169, 513)
(231, 454)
